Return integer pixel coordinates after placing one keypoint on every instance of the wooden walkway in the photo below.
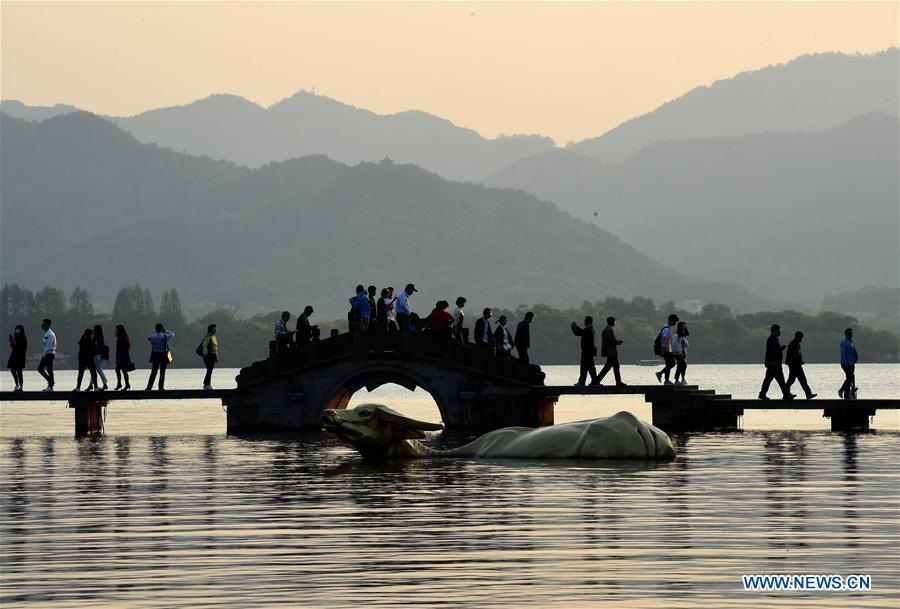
(12, 397)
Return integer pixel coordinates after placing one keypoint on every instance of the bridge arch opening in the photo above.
(401, 392)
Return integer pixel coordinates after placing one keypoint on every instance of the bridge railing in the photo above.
(318, 352)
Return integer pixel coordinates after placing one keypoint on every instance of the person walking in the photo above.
(484, 336)
(283, 336)
(774, 351)
(101, 354)
(523, 337)
(209, 347)
(459, 321)
(124, 365)
(679, 351)
(402, 307)
(86, 352)
(588, 351)
(304, 329)
(794, 360)
(18, 351)
(665, 346)
(609, 348)
(503, 339)
(849, 357)
(160, 355)
(48, 354)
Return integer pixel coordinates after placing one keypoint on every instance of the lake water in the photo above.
(167, 511)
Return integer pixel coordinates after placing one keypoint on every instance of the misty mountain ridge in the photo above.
(303, 231)
(811, 92)
(790, 215)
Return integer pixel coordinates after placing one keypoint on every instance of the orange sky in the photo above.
(567, 70)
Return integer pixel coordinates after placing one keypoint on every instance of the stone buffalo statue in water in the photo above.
(378, 431)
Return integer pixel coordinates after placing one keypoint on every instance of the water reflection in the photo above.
(200, 521)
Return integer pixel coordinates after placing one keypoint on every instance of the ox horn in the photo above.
(392, 416)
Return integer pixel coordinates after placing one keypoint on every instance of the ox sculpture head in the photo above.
(373, 428)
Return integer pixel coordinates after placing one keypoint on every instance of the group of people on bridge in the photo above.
(393, 313)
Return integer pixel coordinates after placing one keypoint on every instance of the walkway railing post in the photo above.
(88, 417)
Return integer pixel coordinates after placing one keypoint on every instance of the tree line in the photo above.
(718, 335)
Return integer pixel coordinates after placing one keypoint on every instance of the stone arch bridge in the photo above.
(471, 387)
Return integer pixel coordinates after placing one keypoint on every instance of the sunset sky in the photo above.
(569, 71)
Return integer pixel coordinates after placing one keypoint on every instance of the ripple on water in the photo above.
(200, 521)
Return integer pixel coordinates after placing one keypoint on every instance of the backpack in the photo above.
(657, 343)
(199, 349)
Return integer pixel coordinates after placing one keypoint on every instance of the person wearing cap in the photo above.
(523, 337)
(609, 348)
(503, 339)
(402, 306)
(484, 336)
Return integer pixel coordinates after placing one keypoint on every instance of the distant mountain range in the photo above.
(754, 179)
(85, 203)
(228, 127)
(810, 93)
(794, 216)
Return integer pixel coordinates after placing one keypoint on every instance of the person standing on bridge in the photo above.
(18, 345)
(439, 324)
(390, 303)
(159, 354)
(283, 336)
(359, 310)
(101, 353)
(124, 365)
(48, 354)
(523, 337)
(373, 309)
(402, 306)
(680, 346)
(210, 350)
(86, 352)
(609, 348)
(588, 351)
(484, 336)
(503, 339)
(774, 351)
(459, 321)
(849, 357)
(304, 329)
(794, 360)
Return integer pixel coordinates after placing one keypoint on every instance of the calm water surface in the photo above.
(167, 511)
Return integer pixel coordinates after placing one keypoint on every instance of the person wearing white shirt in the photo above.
(459, 320)
(48, 354)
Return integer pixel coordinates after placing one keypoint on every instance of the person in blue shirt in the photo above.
(360, 310)
(849, 357)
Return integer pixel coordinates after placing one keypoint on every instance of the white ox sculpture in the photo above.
(378, 431)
